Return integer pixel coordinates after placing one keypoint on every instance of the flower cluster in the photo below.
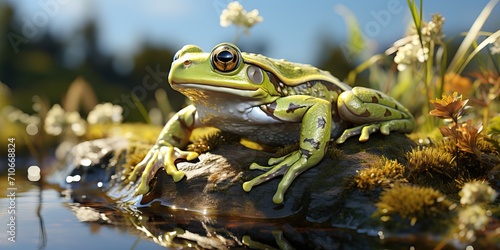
(105, 113)
(15, 115)
(433, 30)
(477, 192)
(410, 52)
(470, 220)
(449, 107)
(495, 47)
(235, 14)
(411, 49)
(474, 217)
(466, 136)
(58, 120)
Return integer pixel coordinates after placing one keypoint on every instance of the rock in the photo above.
(213, 183)
(322, 194)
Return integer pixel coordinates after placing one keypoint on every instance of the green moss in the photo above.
(432, 162)
(381, 174)
(410, 205)
(135, 154)
(334, 153)
(206, 143)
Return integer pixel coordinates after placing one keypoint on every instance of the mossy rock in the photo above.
(322, 194)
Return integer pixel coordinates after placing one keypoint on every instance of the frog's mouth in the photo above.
(220, 93)
(240, 90)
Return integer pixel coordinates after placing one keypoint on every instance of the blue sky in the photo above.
(290, 28)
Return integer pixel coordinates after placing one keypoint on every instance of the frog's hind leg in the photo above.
(372, 111)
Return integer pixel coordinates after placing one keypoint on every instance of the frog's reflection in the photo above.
(180, 228)
(184, 229)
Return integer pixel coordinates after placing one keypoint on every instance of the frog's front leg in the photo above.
(372, 111)
(174, 135)
(316, 121)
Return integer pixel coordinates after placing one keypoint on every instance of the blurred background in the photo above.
(117, 45)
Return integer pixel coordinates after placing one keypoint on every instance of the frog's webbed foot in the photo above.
(373, 111)
(159, 156)
(290, 166)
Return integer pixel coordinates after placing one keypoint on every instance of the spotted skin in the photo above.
(321, 122)
(372, 111)
(312, 144)
(293, 102)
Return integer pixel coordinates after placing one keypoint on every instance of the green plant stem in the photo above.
(455, 125)
(486, 115)
(351, 78)
(442, 69)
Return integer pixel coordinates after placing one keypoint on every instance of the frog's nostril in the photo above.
(187, 63)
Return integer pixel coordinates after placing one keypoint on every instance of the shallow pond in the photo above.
(48, 216)
(45, 219)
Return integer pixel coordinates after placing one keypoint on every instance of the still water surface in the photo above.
(45, 219)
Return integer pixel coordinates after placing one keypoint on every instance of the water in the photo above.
(50, 217)
(44, 220)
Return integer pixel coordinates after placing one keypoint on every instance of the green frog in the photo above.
(269, 101)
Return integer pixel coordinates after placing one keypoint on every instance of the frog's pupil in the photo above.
(225, 56)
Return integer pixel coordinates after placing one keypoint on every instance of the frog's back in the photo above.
(299, 79)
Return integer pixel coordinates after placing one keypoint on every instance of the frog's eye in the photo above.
(177, 55)
(255, 74)
(225, 58)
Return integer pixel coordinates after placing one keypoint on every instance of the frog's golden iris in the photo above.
(225, 58)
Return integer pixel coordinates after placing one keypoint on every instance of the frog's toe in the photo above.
(367, 130)
(363, 131)
(146, 168)
(348, 133)
(171, 154)
(385, 128)
(288, 166)
(248, 185)
(278, 197)
(272, 171)
(274, 161)
(255, 166)
(164, 156)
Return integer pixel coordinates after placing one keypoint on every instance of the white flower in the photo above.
(477, 192)
(58, 120)
(15, 115)
(54, 122)
(470, 220)
(235, 14)
(408, 54)
(422, 54)
(105, 113)
(433, 30)
(410, 50)
(495, 48)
